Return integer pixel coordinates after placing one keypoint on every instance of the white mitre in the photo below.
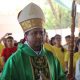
(31, 17)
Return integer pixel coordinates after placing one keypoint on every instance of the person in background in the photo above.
(77, 54)
(7, 51)
(67, 38)
(59, 51)
(76, 39)
(1, 64)
(46, 38)
(32, 61)
(77, 60)
(1, 45)
(75, 44)
(77, 70)
(1, 48)
(67, 60)
(3, 39)
(67, 55)
(47, 45)
(52, 41)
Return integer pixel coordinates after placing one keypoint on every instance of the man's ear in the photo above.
(25, 36)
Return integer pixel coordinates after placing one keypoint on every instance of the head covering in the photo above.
(31, 17)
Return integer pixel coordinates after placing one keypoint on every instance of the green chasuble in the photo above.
(25, 64)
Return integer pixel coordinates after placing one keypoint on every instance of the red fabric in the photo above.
(6, 53)
(23, 40)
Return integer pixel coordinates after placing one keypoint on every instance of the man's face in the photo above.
(35, 37)
(46, 39)
(10, 42)
(58, 40)
(67, 40)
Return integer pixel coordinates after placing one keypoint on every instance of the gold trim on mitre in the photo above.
(31, 24)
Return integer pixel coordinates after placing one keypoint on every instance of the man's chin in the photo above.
(38, 45)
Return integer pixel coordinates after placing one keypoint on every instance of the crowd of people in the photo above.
(36, 57)
(8, 46)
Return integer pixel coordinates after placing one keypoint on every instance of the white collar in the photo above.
(36, 52)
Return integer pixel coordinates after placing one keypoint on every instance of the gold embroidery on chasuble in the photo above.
(40, 68)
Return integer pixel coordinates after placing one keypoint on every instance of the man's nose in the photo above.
(38, 35)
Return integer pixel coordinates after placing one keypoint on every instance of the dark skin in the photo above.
(35, 38)
(10, 43)
(58, 40)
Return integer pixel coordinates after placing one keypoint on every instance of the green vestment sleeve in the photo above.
(58, 70)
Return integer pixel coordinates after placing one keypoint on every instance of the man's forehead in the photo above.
(37, 29)
(9, 39)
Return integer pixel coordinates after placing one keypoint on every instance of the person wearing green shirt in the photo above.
(32, 61)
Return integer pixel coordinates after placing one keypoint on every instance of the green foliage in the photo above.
(60, 19)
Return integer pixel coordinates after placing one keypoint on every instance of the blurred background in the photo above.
(57, 16)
